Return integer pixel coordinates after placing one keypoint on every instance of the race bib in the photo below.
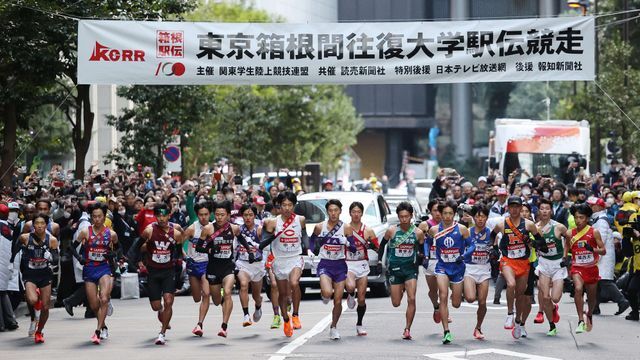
(449, 255)
(289, 245)
(516, 251)
(97, 254)
(432, 252)
(584, 258)
(332, 252)
(480, 254)
(359, 254)
(161, 256)
(404, 250)
(551, 249)
(224, 251)
(38, 264)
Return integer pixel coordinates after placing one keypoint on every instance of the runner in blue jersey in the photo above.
(451, 240)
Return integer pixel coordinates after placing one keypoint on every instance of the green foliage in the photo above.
(527, 100)
(229, 12)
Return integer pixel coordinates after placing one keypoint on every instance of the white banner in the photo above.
(138, 52)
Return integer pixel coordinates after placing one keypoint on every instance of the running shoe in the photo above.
(38, 338)
(247, 321)
(508, 322)
(275, 323)
(257, 315)
(524, 332)
(351, 301)
(556, 314)
(288, 328)
(447, 339)
(109, 309)
(406, 335)
(33, 327)
(589, 322)
(197, 331)
(360, 330)
(539, 318)
(516, 332)
(581, 327)
(95, 338)
(477, 334)
(104, 333)
(296, 322)
(68, 307)
(160, 340)
(334, 334)
(436, 316)
(222, 333)
(552, 332)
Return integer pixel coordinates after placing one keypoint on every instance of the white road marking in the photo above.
(457, 355)
(475, 306)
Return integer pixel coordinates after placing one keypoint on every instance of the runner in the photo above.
(431, 261)
(273, 283)
(453, 245)
(527, 298)
(330, 240)
(99, 243)
(406, 253)
(514, 264)
(250, 275)
(288, 232)
(220, 237)
(39, 253)
(478, 268)
(162, 241)
(358, 263)
(551, 269)
(197, 264)
(586, 245)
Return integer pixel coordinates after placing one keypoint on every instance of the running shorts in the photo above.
(551, 269)
(590, 275)
(455, 272)
(479, 273)
(255, 271)
(336, 270)
(218, 270)
(196, 269)
(160, 282)
(282, 267)
(95, 273)
(520, 267)
(399, 274)
(431, 268)
(359, 268)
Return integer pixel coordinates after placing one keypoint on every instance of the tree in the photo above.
(159, 113)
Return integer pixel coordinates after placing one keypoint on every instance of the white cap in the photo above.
(482, 178)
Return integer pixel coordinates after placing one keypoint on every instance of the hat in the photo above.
(373, 179)
(13, 206)
(295, 180)
(514, 200)
(482, 178)
(4, 210)
(328, 181)
(502, 191)
(592, 200)
(259, 200)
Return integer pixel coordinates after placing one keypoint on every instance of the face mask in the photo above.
(610, 201)
(526, 192)
(229, 197)
(54, 206)
(67, 214)
(13, 217)
(546, 194)
(122, 212)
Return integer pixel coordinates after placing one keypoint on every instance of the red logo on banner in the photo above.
(169, 44)
(105, 53)
(170, 69)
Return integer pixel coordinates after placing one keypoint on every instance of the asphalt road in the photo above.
(133, 328)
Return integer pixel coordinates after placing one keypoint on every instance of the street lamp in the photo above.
(579, 4)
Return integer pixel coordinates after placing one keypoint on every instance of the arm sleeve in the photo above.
(305, 240)
(201, 247)
(73, 249)
(470, 247)
(55, 256)
(244, 243)
(314, 244)
(15, 249)
(193, 217)
(351, 243)
(267, 239)
(374, 243)
(383, 244)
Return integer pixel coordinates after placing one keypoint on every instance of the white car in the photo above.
(376, 211)
(423, 189)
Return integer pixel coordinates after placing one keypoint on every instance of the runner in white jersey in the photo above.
(330, 240)
(197, 264)
(250, 275)
(358, 263)
(288, 238)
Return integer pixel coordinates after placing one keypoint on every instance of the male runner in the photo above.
(514, 264)
(329, 240)
(250, 275)
(163, 240)
(358, 263)
(268, 265)
(478, 267)
(219, 238)
(197, 264)
(99, 243)
(406, 253)
(586, 245)
(39, 253)
(431, 261)
(551, 269)
(452, 246)
(289, 237)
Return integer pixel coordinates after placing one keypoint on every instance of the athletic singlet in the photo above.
(555, 246)
(160, 250)
(334, 248)
(96, 247)
(33, 258)
(511, 245)
(582, 257)
(449, 246)
(361, 243)
(402, 247)
(191, 249)
(222, 243)
(252, 240)
(289, 242)
(483, 244)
